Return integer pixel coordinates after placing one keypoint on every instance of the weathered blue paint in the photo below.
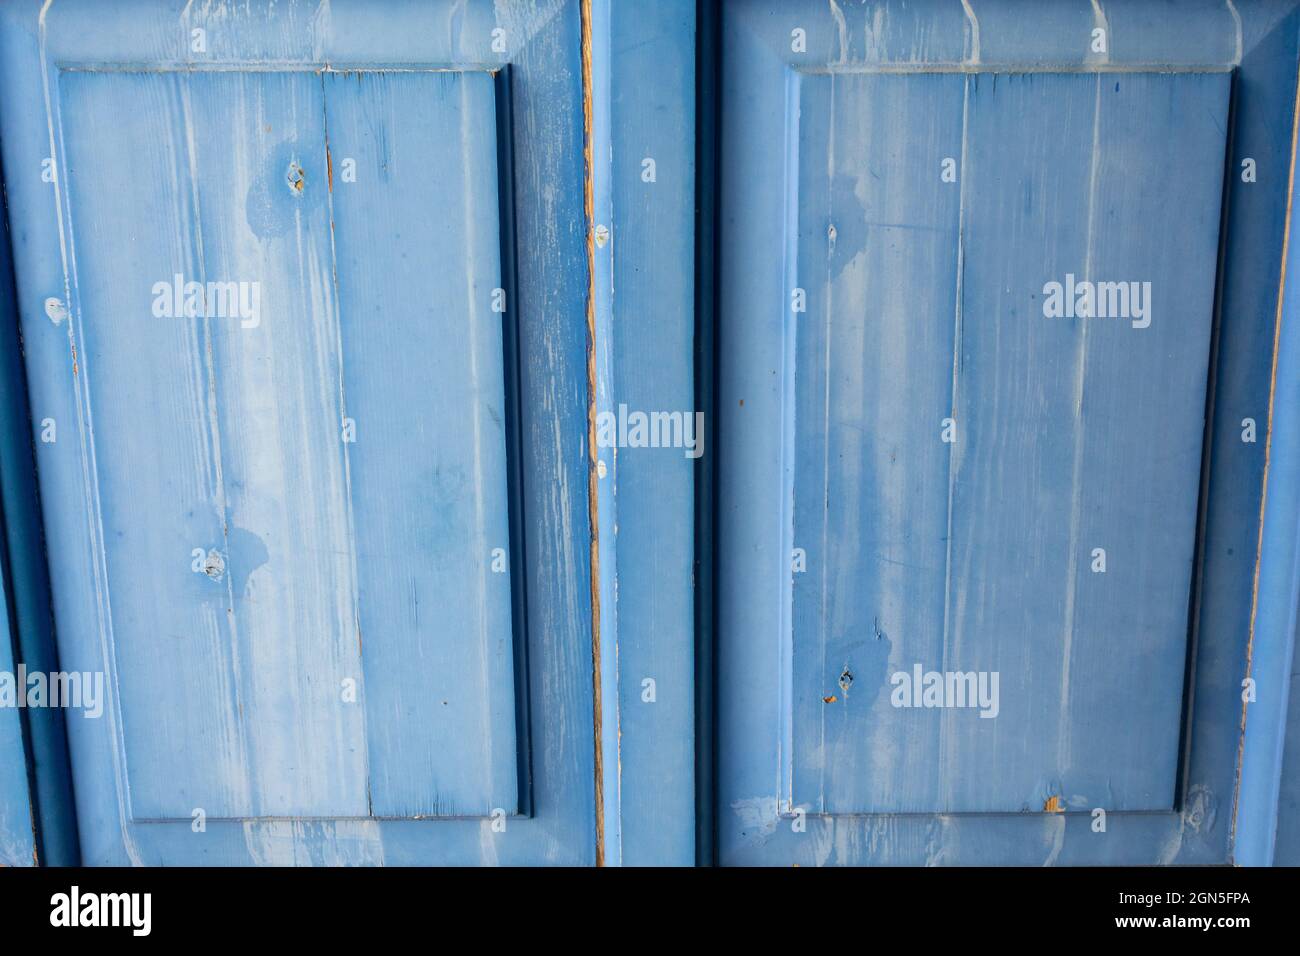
(17, 828)
(1250, 268)
(1270, 777)
(644, 177)
(374, 557)
(1070, 745)
(17, 834)
(438, 439)
(325, 566)
(38, 822)
(925, 302)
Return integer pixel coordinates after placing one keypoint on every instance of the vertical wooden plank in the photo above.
(1029, 189)
(1142, 420)
(153, 443)
(1069, 442)
(17, 826)
(39, 825)
(752, 308)
(878, 260)
(422, 354)
(647, 331)
(263, 199)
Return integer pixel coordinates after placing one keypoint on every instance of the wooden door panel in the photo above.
(975, 556)
(957, 546)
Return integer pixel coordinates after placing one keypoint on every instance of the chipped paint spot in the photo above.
(295, 177)
(1053, 805)
(56, 310)
(830, 700)
(214, 566)
(1201, 809)
(758, 818)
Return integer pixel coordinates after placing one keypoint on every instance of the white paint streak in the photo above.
(1064, 727)
(353, 577)
(235, 777)
(1054, 830)
(320, 31)
(974, 56)
(1236, 16)
(946, 739)
(471, 218)
(842, 29)
(487, 842)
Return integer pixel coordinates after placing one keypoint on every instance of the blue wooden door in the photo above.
(965, 473)
(302, 291)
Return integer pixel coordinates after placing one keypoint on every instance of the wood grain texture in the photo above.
(645, 339)
(366, 560)
(976, 555)
(877, 253)
(1018, 500)
(425, 379)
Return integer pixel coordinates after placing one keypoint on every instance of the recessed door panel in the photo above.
(256, 464)
(995, 488)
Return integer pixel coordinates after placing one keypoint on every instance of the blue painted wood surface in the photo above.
(17, 834)
(1267, 827)
(644, 195)
(1114, 736)
(439, 441)
(976, 555)
(35, 780)
(221, 546)
(334, 557)
(17, 823)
